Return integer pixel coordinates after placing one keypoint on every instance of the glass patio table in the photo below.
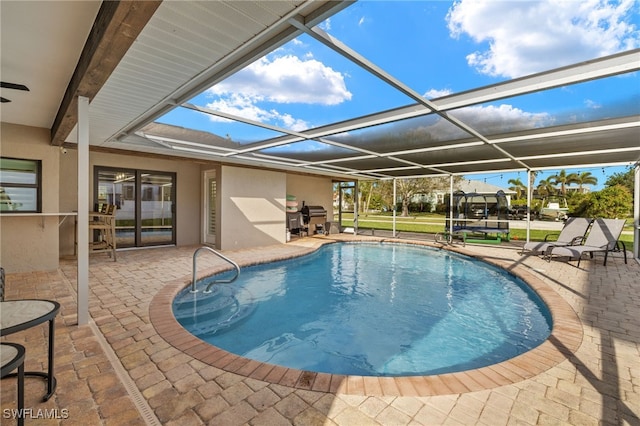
(19, 315)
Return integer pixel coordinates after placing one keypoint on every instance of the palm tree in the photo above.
(518, 187)
(586, 178)
(545, 188)
(563, 179)
(532, 178)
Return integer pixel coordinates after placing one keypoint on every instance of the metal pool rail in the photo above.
(195, 270)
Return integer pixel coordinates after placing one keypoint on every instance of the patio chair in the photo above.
(104, 223)
(571, 234)
(603, 237)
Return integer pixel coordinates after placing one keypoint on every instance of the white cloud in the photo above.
(504, 118)
(488, 120)
(592, 104)
(361, 21)
(246, 107)
(326, 25)
(282, 80)
(287, 79)
(532, 36)
(436, 93)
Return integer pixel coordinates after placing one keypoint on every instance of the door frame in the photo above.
(208, 238)
(137, 240)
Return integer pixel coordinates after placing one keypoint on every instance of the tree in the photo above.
(545, 188)
(576, 203)
(585, 178)
(612, 202)
(563, 179)
(624, 178)
(365, 192)
(406, 189)
(532, 178)
(517, 186)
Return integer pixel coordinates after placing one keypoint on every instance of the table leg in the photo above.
(21, 394)
(51, 379)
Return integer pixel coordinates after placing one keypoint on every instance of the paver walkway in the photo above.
(598, 384)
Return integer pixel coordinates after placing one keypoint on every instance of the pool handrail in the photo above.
(195, 270)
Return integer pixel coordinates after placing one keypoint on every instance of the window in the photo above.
(20, 185)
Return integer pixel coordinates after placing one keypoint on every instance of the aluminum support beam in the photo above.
(394, 207)
(358, 59)
(356, 207)
(83, 211)
(529, 193)
(450, 209)
(624, 62)
(636, 213)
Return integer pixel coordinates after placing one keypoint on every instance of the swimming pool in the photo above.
(435, 312)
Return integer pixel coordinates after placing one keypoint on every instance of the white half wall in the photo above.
(252, 205)
(31, 243)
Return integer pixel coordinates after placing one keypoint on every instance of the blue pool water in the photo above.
(370, 309)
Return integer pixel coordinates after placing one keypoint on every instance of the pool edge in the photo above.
(565, 338)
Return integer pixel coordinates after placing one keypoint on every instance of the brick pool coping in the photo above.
(565, 338)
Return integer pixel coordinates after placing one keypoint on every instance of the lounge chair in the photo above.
(572, 234)
(603, 237)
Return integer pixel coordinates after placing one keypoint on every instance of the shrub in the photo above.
(612, 202)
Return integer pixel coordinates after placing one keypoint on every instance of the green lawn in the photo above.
(434, 223)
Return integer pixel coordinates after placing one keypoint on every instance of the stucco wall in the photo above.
(313, 191)
(252, 207)
(188, 191)
(250, 210)
(31, 243)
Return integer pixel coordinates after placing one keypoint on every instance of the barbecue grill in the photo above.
(315, 214)
(312, 211)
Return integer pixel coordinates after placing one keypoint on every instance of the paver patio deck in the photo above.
(160, 376)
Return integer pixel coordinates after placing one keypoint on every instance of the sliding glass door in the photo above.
(145, 204)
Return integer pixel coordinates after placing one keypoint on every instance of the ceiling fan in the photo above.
(14, 86)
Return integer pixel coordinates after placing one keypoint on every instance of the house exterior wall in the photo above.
(188, 191)
(31, 243)
(251, 202)
(252, 207)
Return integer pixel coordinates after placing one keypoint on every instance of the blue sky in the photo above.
(436, 48)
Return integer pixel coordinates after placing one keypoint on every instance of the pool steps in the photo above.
(208, 313)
